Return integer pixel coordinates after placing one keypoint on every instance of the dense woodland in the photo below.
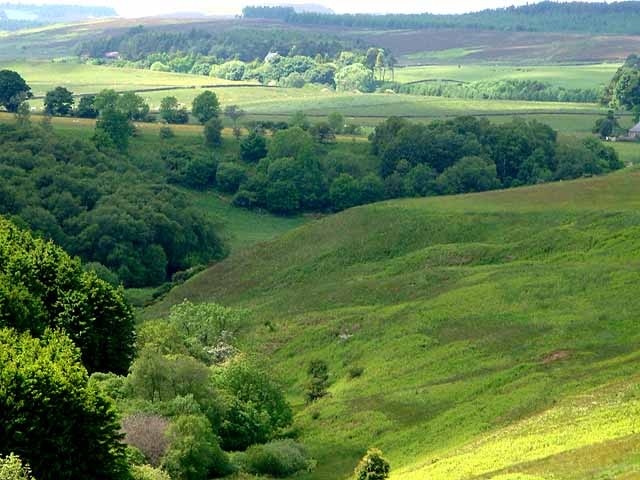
(610, 18)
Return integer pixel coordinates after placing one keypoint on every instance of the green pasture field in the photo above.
(83, 78)
(479, 336)
(318, 102)
(567, 76)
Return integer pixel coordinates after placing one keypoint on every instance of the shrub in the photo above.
(12, 468)
(166, 132)
(355, 372)
(280, 458)
(373, 466)
(213, 132)
(229, 176)
(147, 432)
(146, 472)
(318, 380)
(194, 453)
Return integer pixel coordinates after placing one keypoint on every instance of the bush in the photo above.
(280, 458)
(194, 453)
(373, 466)
(166, 132)
(213, 133)
(147, 432)
(146, 472)
(11, 468)
(229, 176)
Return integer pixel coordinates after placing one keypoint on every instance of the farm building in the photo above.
(635, 132)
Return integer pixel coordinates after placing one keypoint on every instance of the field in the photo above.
(567, 76)
(496, 334)
(364, 109)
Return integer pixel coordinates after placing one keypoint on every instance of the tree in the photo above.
(114, 126)
(194, 453)
(234, 113)
(257, 409)
(107, 99)
(58, 102)
(344, 192)
(172, 112)
(23, 114)
(470, 174)
(336, 121)
(49, 414)
(608, 126)
(133, 106)
(230, 176)
(13, 90)
(355, 77)
(86, 107)
(253, 148)
(205, 106)
(318, 372)
(373, 466)
(323, 133)
(213, 133)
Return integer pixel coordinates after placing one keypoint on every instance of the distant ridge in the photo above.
(585, 17)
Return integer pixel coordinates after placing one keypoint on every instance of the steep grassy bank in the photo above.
(498, 333)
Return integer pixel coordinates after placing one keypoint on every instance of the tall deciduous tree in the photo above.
(13, 90)
(205, 106)
(58, 102)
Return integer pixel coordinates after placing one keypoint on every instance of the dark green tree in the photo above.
(253, 148)
(86, 107)
(172, 112)
(115, 127)
(133, 106)
(318, 384)
(58, 102)
(213, 132)
(13, 90)
(205, 106)
(50, 416)
(373, 466)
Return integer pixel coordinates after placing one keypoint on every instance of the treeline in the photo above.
(96, 203)
(587, 17)
(526, 90)
(245, 44)
(298, 172)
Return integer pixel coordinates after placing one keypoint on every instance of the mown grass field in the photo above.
(497, 333)
(567, 76)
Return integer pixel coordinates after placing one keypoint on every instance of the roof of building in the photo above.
(636, 129)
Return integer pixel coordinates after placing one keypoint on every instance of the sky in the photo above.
(139, 8)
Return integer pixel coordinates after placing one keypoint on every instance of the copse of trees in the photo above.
(98, 205)
(443, 157)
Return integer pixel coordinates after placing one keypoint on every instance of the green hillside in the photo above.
(497, 333)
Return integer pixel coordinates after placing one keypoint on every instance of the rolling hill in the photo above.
(482, 336)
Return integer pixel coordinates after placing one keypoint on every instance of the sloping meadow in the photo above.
(468, 337)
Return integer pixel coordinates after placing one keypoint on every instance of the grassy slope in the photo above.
(498, 332)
